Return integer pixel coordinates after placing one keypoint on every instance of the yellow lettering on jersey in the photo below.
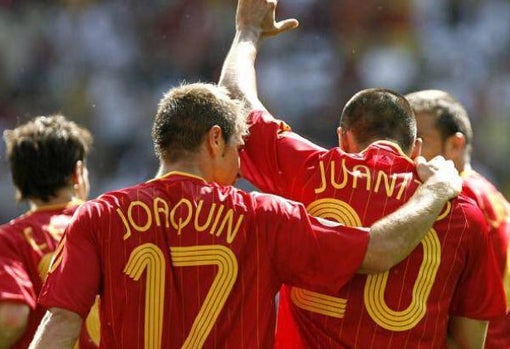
(204, 226)
(127, 234)
(186, 213)
(355, 176)
(406, 319)
(214, 218)
(335, 210)
(389, 187)
(403, 186)
(319, 303)
(338, 211)
(215, 224)
(161, 209)
(29, 236)
(361, 171)
(228, 219)
(149, 258)
(135, 219)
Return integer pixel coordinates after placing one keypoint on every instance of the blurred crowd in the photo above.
(105, 64)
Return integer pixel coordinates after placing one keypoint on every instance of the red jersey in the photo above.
(497, 214)
(27, 244)
(180, 263)
(451, 273)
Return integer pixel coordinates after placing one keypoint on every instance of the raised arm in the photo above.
(255, 19)
(393, 237)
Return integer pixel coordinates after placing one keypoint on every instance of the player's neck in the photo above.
(181, 166)
(63, 197)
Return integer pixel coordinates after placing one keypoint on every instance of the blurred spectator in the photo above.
(107, 63)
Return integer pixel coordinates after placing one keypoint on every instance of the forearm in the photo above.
(59, 328)
(393, 237)
(465, 333)
(238, 72)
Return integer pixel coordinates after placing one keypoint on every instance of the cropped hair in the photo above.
(450, 115)
(380, 114)
(43, 153)
(187, 112)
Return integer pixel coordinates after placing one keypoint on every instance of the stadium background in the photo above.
(105, 64)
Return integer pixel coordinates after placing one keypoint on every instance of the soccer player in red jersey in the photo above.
(47, 159)
(443, 124)
(368, 176)
(188, 261)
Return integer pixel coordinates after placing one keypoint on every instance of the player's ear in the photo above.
(454, 146)
(78, 173)
(416, 149)
(214, 139)
(342, 139)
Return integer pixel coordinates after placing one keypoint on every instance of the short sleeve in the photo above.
(310, 252)
(271, 151)
(74, 276)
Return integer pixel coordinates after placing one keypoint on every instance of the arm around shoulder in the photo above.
(59, 328)
(393, 237)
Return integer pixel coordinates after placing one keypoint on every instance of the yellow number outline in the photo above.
(150, 257)
(375, 285)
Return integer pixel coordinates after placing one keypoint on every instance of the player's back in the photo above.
(408, 306)
(27, 244)
(184, 263)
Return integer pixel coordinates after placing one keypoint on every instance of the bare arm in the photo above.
(13, 322)
(393, 237)
(255, 19)
(59, 328)
(465, 333)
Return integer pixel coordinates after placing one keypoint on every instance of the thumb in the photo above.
(283, 26)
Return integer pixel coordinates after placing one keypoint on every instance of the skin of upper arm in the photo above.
(466, 333)
(59, 328)
(13, 322)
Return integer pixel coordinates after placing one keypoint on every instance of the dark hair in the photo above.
(42, 154)
(450, 115)
(187, 112)
(380, 114)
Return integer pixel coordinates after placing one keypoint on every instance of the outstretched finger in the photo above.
(283, 26)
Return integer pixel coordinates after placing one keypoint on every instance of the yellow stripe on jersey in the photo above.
(318, 303)
(408, 318)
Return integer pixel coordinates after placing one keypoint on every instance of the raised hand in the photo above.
(260, 15)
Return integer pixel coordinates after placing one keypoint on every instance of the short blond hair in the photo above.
(188, 111)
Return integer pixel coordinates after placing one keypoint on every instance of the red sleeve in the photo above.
(271, 151)
(479, 293)
(15, 283)
(309, 252)
(74, 276)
